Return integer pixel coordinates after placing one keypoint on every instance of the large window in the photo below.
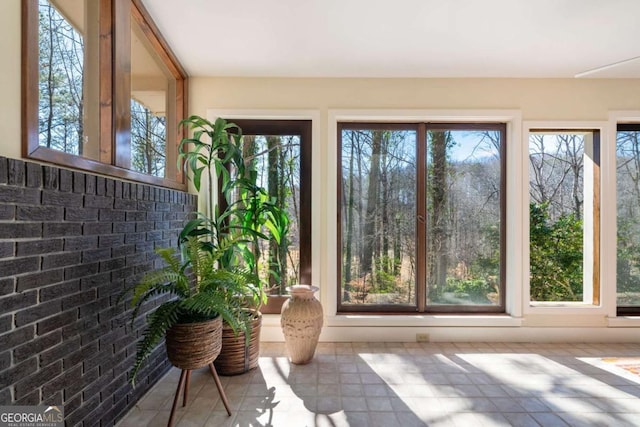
(101, 90)
(628, 196)
(280, 151)
(421, 217)
(564, 220)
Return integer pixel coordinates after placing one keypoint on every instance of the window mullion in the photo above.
(122, 90)
(421, 217)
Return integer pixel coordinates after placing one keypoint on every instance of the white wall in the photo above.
(10, 78)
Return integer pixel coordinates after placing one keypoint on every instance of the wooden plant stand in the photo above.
(183, 386)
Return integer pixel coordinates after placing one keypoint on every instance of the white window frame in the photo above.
(607, 165)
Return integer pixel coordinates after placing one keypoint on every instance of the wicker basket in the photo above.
(236, 357)
(194, 345)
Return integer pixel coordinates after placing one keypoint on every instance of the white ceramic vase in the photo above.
(301, 322)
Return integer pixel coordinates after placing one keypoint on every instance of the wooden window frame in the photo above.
(420, 305)
(304, 129)
(625, 310)
(114, 94)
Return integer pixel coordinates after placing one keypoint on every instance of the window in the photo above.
(564, 221)
(421, 221)
(628, 196)
(281, 154)
(101, 91)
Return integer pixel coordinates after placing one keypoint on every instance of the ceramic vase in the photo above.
(301, 322)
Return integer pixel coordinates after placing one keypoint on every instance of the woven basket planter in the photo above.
(194, 345)
(236, 357)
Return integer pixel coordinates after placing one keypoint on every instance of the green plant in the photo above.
(215, 153)
(201, 288)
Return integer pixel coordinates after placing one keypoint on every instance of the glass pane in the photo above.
(152, 85)
(463, 217)
(378, 217)
(556, 215)
(68, 118)
(628, 190)
(276, 158)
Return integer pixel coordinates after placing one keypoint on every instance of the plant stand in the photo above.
(183, 385)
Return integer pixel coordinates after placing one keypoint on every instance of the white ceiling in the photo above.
(401, 38)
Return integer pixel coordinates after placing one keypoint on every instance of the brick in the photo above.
(135, 259)
(134, 238)
(100, 186)
(94, 307)
(7, 212)
(154, 235)
(16, 372)
(15, 302)
(7, 285)
(94, 255)
(27, 196)
(59, 351)
(124, 204)
(60, 260)
(6, 249)
(37, 247)
(16, 172)
(90, 184)
(36, 346)
(126, 190)
(72, 330)
(50, 177)
(39, 213)
(122, 273)
(57, 198)
(80, 243)
(144, 226)
(145, 205)
(110, 240)
(78, 182)
(57, 322)
(123, 227)
(93, 228)
(16, 266)
(66, 180)
(61, 229)
(59, 290)
(77, 357)
(4, 170)
(78, 299)
(81, 413)
(95, 281)
(109, 187)
(117, 189)
(37, 312)
(163, 207)
(16, 337)
(96, 201)
(154, 216)
(55, 399)
(36, 380)
(112, 215)
(30, 399)
(80, 271)
(93, 334)
(112, 264)
(81, 214)
(5, 360)
(34, 175)
(123, 251)
(6, 323)
(40, 279)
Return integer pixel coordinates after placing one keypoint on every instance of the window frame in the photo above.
(422, 128)
(603, 293)
(114, 94)
(623, 310)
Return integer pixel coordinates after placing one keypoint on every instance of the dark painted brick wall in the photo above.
(69, 243)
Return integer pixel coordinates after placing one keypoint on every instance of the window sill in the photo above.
(433, 320)
(624, 322)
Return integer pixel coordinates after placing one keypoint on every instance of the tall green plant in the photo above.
(246, 210)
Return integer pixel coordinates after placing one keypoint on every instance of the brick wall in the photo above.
(69, 242)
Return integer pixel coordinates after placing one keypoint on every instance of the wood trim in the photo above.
(596, 218)
(122, 83)
(149, 27)
(30, 86)
(421, 217)
(106, 82)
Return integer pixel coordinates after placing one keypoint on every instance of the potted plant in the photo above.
(214, 155)
(204, 294)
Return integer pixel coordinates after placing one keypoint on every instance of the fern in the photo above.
(202, 288)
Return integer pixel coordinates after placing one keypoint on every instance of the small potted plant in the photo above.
(204, 294)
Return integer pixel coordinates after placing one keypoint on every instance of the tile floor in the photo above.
(412, 384)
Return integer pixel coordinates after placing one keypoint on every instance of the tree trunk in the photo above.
(438, 252)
